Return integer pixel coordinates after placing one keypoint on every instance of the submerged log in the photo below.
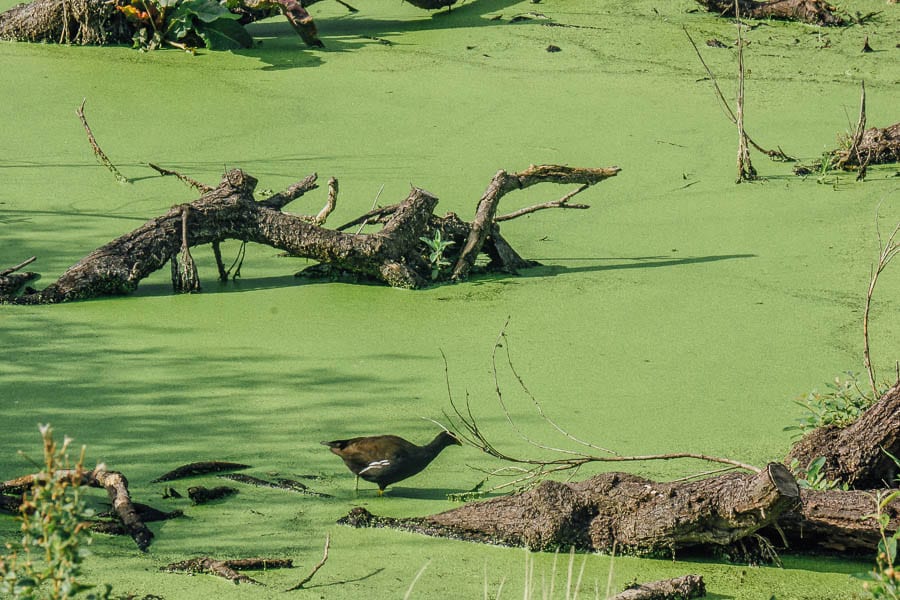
(858, 455)
(395, 255)
(677, 588)
(815, 12)
(632, 514)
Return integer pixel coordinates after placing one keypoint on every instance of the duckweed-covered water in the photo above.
(681, 312)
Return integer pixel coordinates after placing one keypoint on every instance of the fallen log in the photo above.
(199, 468)
(228, 569)
(677, 588)
(858, 455)
(814, 12)
(614, 510)
(395, 255)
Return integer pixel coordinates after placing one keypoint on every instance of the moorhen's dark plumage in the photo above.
(387, 459)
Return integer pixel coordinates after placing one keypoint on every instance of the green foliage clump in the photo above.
(813, 478)
(185, 24)
(883, 581)
(46, 563)
(436, 258)
(842, 403)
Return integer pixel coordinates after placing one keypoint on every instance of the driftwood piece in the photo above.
(199, 468)
(227, 568)
(116, 486)
(677, 588)
(11, 282)
(636, 515)
(815, 12)
(395, 255)
(857, 455)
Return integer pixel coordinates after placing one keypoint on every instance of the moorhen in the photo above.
(387, 459)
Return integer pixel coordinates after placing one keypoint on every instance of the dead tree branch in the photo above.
(202, 187)
(528, 471)
(316, 568)
(395, 255)
(116, 486)
(98, 152)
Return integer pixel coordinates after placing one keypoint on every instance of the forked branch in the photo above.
(888, 250)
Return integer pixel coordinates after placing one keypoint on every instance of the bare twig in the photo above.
(183, 178)
(746, 172)
(24, 263)
(467, 428)
(316, 568)
(887, 251)
(858, 137)
(561, 203)
(101, 156)
(777, 155)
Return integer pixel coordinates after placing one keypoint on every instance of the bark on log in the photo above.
(815, 12)
(395, 255)
(878, 146)
(833, 521)
(857, 454)
(639, 516)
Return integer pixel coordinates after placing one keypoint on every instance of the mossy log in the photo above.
(815, 12)
(615, 510)
(857, 455)
(395, 255)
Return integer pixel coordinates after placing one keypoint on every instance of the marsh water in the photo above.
(682, 312)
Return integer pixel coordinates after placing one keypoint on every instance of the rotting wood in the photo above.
(229, 568)
(395, 255)
(199, 468)
(814, 12)
(677, 588)
(636, 515)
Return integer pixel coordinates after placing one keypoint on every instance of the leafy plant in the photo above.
(883, 581)
(840, 406)
(185, 24)
(437, 245)
(46, 563)
(813, 478)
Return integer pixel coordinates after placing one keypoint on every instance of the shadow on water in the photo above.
(638, 262)
(280, 45)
